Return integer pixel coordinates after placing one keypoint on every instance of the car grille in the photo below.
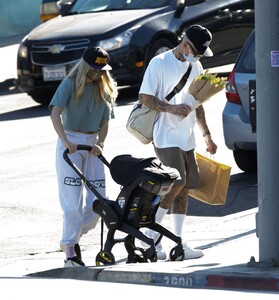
(58, 53)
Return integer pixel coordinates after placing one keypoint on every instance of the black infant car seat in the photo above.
(143, 181)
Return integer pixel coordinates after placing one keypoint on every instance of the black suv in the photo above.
(132, 31)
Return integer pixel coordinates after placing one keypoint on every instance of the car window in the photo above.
(246, 62)
(84, 6)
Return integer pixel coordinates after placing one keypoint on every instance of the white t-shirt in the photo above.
(161, 76)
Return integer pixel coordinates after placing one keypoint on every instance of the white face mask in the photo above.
(191, 58)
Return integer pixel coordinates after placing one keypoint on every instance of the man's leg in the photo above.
(178, 215)
(164, 207)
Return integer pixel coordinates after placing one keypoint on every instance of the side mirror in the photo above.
(64, 7)
(49, 10)
(192, 2)
(181, 4)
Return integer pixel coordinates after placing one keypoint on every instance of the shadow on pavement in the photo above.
(8, 87)
(242, 195)
(25, 113)
(127, 96)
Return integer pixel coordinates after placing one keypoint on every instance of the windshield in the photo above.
(85, 6)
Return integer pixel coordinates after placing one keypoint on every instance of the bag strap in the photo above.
(180, 84)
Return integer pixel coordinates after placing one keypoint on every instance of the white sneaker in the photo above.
(191, 253)
(73, 262)
(151, 234)
(161, 253)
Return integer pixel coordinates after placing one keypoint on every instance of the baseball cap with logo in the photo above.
(199, 38)
(97, 58)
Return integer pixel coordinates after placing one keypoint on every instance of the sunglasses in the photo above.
(193, 51)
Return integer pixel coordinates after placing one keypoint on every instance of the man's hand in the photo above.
(181, 110)
(211, 146)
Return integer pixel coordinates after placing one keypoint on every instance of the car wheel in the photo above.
(42, 98)
(158, 47)
(246, 160)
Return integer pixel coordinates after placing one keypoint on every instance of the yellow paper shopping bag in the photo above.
(215, 179)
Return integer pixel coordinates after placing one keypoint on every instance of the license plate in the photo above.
(54, 73)
(252, 105)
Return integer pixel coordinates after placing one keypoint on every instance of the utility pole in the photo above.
(267, 90)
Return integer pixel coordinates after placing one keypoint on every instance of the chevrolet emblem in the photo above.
(57, 48)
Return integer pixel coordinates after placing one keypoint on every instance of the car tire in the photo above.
(246, 160)
(42, 98)
(159, 46)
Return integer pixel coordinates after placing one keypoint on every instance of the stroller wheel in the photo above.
(177, 253)
(105, 258)
(137, 256)
(150, 254)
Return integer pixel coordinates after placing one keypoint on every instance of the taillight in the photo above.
(231, 91)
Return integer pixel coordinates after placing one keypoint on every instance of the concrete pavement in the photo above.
(231, 255)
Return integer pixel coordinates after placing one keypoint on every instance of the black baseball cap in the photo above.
(199, 38)
(97, 58)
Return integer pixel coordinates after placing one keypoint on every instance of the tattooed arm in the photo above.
(201, 121)
(153, 102)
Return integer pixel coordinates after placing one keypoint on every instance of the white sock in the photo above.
(177, 221)
(161, 212)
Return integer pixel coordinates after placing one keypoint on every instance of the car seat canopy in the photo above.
(125, 169)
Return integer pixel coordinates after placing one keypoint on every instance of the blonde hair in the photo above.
(106, 86)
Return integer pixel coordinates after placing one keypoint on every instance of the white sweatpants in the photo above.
(78, 215)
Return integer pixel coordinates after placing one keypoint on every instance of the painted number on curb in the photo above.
(181, 281)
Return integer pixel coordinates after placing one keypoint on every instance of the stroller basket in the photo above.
(143, 181)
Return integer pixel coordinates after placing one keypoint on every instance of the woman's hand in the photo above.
(72, 147)
(96, 150)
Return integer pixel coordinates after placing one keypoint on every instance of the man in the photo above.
(173, 134)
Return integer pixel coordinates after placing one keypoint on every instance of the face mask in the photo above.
(94, 75)
(191, 58)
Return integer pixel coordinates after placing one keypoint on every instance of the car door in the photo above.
(243, 18)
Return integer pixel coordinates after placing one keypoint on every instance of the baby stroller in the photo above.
(143, 181)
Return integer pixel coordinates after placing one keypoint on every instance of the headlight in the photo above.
(118, 41)
(22, 51)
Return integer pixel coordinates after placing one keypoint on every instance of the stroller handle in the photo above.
(86, 148)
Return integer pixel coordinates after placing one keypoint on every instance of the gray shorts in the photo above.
(184, 162)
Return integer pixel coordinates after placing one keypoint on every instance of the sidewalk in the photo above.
(226, 264)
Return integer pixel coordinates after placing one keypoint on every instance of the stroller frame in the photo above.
(113, 214)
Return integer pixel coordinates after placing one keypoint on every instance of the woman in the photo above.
(80, 113)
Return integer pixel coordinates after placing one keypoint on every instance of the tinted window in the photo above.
(246, 62)
(83, 6)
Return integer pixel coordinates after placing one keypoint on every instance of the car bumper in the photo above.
(29, 84)
(237, 129)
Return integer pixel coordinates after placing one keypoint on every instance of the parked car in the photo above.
(132, 31)
(239, 115)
